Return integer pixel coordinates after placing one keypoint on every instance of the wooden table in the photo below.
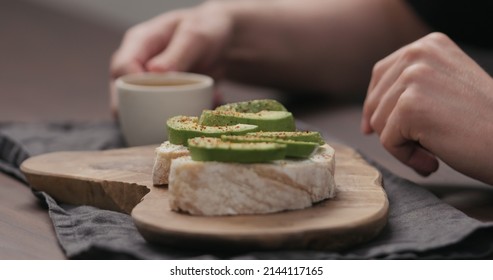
(54, 67)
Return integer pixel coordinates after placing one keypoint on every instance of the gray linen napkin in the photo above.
(420, 225)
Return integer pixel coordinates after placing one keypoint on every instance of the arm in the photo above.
(319, 45)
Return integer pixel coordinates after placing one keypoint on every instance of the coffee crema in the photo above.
(161, 83)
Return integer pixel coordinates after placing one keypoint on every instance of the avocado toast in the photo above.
(245, 170)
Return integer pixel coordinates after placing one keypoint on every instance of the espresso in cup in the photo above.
(147, 100)
(166, 81)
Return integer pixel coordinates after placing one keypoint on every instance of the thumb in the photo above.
(421, 160)
(408, 151)
(415, 156)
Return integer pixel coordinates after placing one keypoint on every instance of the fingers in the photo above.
(410, 78)
(398, 92)
(185, 49)
(184, 40)
(420, 98)
(385, 107)
(198, 42)
(385, 75)
(380, 72)
(399, 121)
(142, 42)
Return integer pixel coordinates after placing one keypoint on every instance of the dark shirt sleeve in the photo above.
(465, 21)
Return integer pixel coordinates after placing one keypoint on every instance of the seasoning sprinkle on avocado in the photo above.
(181, 128)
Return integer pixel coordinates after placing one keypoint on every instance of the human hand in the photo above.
(181, 40)
(191, 39)
(429, 100)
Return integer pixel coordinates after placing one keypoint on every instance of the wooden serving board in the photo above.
(121, 180)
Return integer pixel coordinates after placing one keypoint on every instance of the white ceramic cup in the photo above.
(147, 100)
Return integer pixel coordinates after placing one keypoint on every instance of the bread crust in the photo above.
(165, 153)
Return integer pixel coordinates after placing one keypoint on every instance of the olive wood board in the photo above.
(121, 180)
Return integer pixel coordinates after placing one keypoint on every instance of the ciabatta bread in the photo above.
(216, 188)
(164, 154)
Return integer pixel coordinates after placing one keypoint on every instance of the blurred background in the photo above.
(61, 49)
(115, 13)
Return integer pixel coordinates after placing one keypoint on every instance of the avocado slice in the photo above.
(214, 149)
(253, 106)
(305, 136)
(296, 149)
(181, 128)
(265, 120)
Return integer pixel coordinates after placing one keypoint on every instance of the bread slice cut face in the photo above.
(219, 188)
